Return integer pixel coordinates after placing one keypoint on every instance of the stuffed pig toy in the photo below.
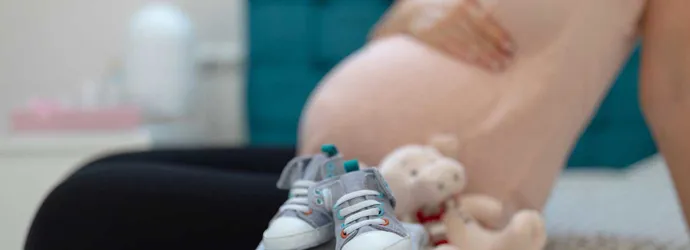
(524, 232)
(426, 175)
(427, 183)
(419, 175)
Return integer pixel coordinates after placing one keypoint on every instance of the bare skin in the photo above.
(665, 87)
(462, 29)
(517, 126)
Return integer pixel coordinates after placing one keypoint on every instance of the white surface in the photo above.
(638, 204)
(69, 144)
(31, 166)
(221, 54)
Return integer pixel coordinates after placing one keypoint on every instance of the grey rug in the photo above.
(609, 242)
(606, 209)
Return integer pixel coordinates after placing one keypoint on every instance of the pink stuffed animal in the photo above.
(427, 186)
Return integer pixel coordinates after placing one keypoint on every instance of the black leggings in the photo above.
(167, 199)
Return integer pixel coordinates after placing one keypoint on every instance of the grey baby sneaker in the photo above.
(296, 225)
(362, 208)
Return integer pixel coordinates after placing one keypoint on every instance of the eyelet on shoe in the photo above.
(385, 222)
(308, 212)
(337, 214)
(317, 192)
(343, 234)
(319, 201)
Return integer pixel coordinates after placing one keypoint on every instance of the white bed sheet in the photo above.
(638, 205)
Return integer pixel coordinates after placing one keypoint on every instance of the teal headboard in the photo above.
(294, 43)
(618, 135)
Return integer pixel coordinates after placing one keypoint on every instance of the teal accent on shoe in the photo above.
(337, 214)
(330, 169)
(329, 149)
(380, 210)
(351, 166)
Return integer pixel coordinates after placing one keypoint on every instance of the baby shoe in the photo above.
(362, 207)
(296, 225)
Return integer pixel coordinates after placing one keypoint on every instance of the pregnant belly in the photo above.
(408, 83)
(398, 91)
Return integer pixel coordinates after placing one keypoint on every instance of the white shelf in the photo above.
(72, 143)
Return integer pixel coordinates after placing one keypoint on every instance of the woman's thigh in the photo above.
(130, 205)
(259, 160)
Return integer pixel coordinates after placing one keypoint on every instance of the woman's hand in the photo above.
(460, 28)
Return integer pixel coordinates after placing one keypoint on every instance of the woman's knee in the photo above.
(67, 217)
(133, 200)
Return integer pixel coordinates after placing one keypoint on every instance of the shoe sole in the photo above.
(300, 241)
(404, 244)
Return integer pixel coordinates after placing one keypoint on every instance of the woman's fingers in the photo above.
(460, 28)
(494, 31)
(465, 39)
(451, 40)
(460, 50)
(486, 26)
(483, 50)
(495, 48)
(460, 37)
(491, 53)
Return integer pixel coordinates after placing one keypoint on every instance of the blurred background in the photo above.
(84, 78)
(64, 99)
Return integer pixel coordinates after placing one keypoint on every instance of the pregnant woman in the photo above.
(516, 127)
(516, 116)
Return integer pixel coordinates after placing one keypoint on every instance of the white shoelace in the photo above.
(352, 213)
(298, 200)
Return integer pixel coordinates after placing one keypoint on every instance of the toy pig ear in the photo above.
(447, 144)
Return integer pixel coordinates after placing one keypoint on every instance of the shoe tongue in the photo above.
(359, 180)
(356, 181)
(315, 168)
(329, 167)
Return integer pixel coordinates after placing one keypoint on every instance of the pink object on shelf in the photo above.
(50, 116)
